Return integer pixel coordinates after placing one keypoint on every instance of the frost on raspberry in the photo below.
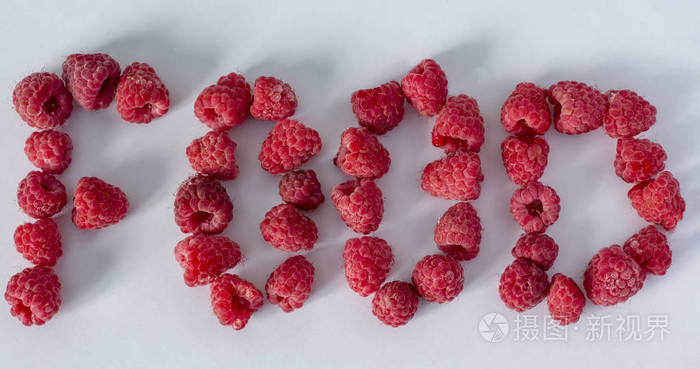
(628, 115)
(649, 248)
(202, 206)
(290, 283)
(288, 145)
(526, 112)
(92, 79)
(524, 158)
(225, 104)
(395, 303)
(578, 108)
(98, 204)
(41, 195)
(361, 155)
(458, 231)
(535, 207)
(141, 95)
(214, 155)
(565, 300)
(455, 177)
(379, 109)
(612, 277)
(538, 248)
(234, 300)
(49, 150)
(287, 229)
(425, 87)
(301, 189)
(638, 160)
(272, 99)
(39, 242)
(367, 262)
(34, 295)
(42, 100)
(205, 257)
(459, 125)
(659, 200)
(359, 204)
(523, 285)
(438, 278)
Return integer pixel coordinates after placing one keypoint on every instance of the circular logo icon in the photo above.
(493, 327)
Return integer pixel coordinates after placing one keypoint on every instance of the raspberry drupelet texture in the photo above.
(367, 261)
(523, 285)
(359, 204)
(34, 295)
(659, 200)
(458, 231)
(524, 158)
(225, 104)
(49, 150)
(455, 177)
(42, 100)
(234, 300)
(301, 189)
(92, 79)
(214, 155)
(290, 283)
(272, 99)
(538, 248)
(459, 125)
(578, 108)
(425, 87)
(39, 242)
(98, 204)
(638, 160)
(535, 207)
(361, 155)
(526, 112)
(288, 145)
(41, 195)
(565, 300)
(395, 303)
(141, 95)
(628, 114)
(202, 206)
(285, 228)
(438, 278)
(205, 257)
(379, 109)
(649, 248)
(612, 277)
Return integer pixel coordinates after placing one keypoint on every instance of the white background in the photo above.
(124, 302)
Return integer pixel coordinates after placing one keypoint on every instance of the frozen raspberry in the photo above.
(659, 200)
(141, 95)
(225, 104)
(649, 248)
(288, 145)
(628, 115)
(205, 257)
(42, 101)
(538, 248)
(395, 303)
(41, 195)
(39, 242)
(272, 99)
(368, 261)
(438, 278)
(458, 231)
(92, 79)
(202, 206)
(214, 155)
(361, 155)
(285, 228)
(98, 204)
(379, 109)
(523, 285)
(638, 160)
(535, 207)
(234, 300)
(524, 158)
(612, 276)
(290, 283)
(455, 177)
(34, 295)
(425, 87)
(49, 150)
(459, 125)
(359, 204)
(565, 300)
(525, 112)
(578, 108)
(301, 189)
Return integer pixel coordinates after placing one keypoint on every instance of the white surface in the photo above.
(124, 301)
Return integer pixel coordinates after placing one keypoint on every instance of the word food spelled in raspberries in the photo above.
(272, 99)
(39, 242)
(395, 303)
(41, 195)
(287, 229)
(301, 189)
(225, 104)
(290, 283)
(234, 300)
(361, 155)
(368, 261)
(92, 79)
(214, 155)
(458, 231)
(34, 295)
(360, 205)
(141, 95)
(205, 257)
(42, 101)
(98, 204)
(49, 150)
(202, 206)
(288, 145)
(425, 87)
(379, 109)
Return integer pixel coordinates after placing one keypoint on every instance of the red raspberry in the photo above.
(214, 155)
(578, 108)
(525, 112)
(202, 206)
(524, 158)
(141, 95)
(425, 87)
(612, 276)
(379, 109)
(205, 257)
(34, 295)
(649, 248)
(535, 207)
(361, 155)
(458, 231)
(288, 145)
(290, 283)
(49, 150)
(42, 101)
(92, 79)
(565, 300)
(395, 303)
(39, 242)
(285, 228)
(455, 177)
(98, 204)
(367, 261)
(638, 160)
(41, 195)
(301, 189)
(438, 278)
(628, 115)
(538, 248)
(359, 204)
(272, 99)
(659, 200)
(234, 300)
(225, 104)
(523, 285)
(459, 125)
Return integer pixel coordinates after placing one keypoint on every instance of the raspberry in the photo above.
(565, 300)
(301, 189)
(92, 79)
(523, 285)
(535, 207)
(367, 261)
(98, 204)
(359, 204)
(49, 150)
(41, 195)
(538, 248)
(612, 276)
(649, 248)
(288, 145)
(225, 104)
(202, 206)
(285, 228)
(628, 115)
(39, 242)
(455, 177)
(141, 95)
(42, 101)
(234, 300)
(438, 278)
(459, 125)
(379, 109)
(659, 200)
(525, 112)
(34, 295)
(425, 87)
(290, 283)
(361, 155)
(272, 99)
(205, 257)
(638, 160)
(578, 108)
(458, 232)
(214, 155)
(524, 158)
(395, 303)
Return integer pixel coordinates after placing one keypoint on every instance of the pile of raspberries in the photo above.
(615, 273)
